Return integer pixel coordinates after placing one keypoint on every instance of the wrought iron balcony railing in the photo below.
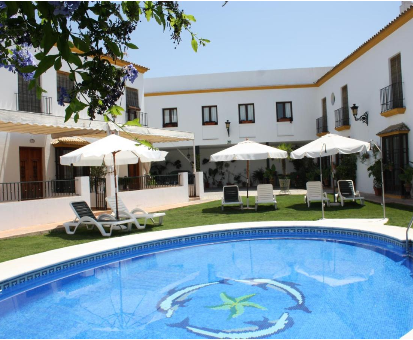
(321, 124)
(342, 117)
(30, 103)
(391, 97)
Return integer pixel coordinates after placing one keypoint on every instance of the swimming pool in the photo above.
(245, 288)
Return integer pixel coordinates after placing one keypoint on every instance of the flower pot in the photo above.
(377, 191)
(284, 184)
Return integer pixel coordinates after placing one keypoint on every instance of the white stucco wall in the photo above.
(43, 211)
(364, 78)
(149, 198)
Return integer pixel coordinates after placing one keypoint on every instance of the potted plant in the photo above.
(407, 177)
(375, 171)
(326, 176)
(285, 181)
(258, 176)
(237, 179)
(270, 174)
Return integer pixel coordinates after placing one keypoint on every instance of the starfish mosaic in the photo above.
(236, 306)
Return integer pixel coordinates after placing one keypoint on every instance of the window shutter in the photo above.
(132, 98)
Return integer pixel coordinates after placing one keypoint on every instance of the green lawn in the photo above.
(290, 208)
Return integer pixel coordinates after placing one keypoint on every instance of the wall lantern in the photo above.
(364, 118)
(227, 124)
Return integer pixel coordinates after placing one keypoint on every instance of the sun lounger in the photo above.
(85, 216)
(231, 196)
(346, 192)
(134, 214)
(315, 193)
(265, 194)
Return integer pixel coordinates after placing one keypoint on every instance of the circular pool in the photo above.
(257, 288)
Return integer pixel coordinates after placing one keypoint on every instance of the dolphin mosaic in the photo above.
(288, 287)
(177, 298)
(260, 329)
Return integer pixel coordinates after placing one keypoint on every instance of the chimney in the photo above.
(405, 6)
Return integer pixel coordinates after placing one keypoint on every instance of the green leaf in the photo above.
(32, 84)
(114, 48)
(116, 110)
(28, 8)
(46, 63)
(132, 46)
(74, 59)
(58, 64)
(194, 44)
(190, 17)
(27, 69)
(106, 118)
(135, 122)
(39, 92)
(81, 44)
(39, 56)
(69, 112)
(146, 143)
(76, 117)
(49, 37)
(12, 8)
(227, 299)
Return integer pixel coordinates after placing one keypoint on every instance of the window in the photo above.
(132, 103)
(64, 84)
(396, 81)
(284, 112)
(27, 99)
(209, 115)
(170, 117)
(246, 113)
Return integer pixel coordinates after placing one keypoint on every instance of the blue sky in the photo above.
(247, 36)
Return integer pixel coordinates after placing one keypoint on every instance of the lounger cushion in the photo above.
(231, 195)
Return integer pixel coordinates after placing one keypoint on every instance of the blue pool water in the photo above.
(269, 288)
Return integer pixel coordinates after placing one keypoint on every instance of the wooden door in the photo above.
(133, 171)
(31, 171)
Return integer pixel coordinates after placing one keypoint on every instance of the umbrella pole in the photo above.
(321, 180)
(248, 182)
(116, 184)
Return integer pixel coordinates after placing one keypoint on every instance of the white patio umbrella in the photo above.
(248, 151)
(329, 145)
(111, 151)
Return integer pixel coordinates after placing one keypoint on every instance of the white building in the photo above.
(34, 187)
(283, 105)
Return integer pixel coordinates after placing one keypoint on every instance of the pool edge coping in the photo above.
(27, 264)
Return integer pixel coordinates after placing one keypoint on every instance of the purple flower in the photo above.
(63, 96)
(131, 73)
(21, 57)
(3, 5)
(65, 8)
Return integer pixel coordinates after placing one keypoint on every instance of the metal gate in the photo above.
(98, 193)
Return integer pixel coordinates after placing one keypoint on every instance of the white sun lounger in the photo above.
(314, 193)
(85, 216)
(134, 214)
(265, 194)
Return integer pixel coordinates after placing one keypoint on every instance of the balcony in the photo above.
(342, 119)
(321, 124)
(135, 113)
(30, 103)
(391, 100)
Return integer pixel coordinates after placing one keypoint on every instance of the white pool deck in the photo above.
(17, 267)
